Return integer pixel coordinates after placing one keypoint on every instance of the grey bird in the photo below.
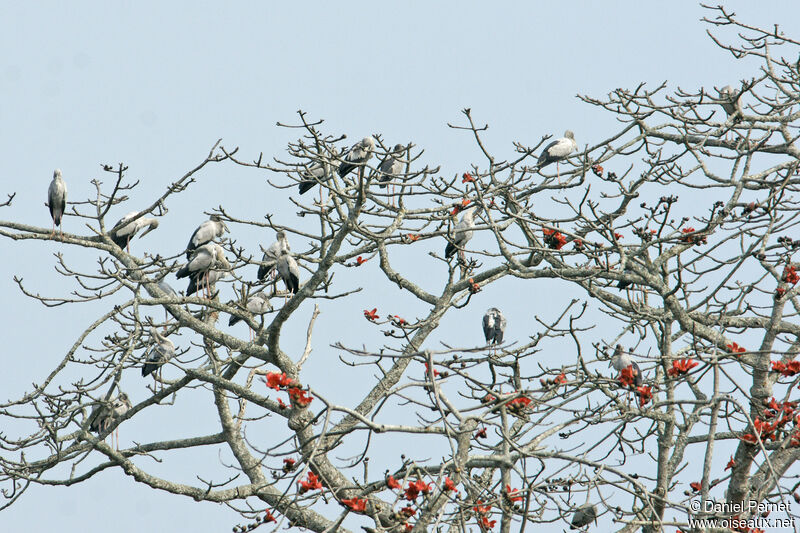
(621, 360)
(124, 230)
(558, 150)
(357, 156)
(391, 166)
(162, 351)
(167, 288)
(731, 102)
(257, 304)
(207, 266)
(289, 271)
(462, 232)
(494, 326)
(272, 254)
(584, 515)
(318, 172)
(107, 414)
(57, 200)
(209, 230)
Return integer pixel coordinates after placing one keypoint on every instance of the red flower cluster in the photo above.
(554, 239)
(360, 261)
(513, 494)
(786, 369)
(408, 511)
(598, 170)
(692, 239)
(790, 275)
(358, 505)
(735, 348)
(578, 244)
(427, 369)
(681, 366)
(268, 517)
(779, 292)
(288, 464)
(473, 287)
(618, 236)
(311, 483)
(299, 396)
(371, 315)
(518, 405)
(558, 380)
(480, 434)
(412, 237)
(467, 178)
(627, 376)
(460, 207)
(482, 511)
(278, 380)
(696, 486)
(780, 414)
(645, 395)
(398, 320)
(448, 484)
(416, 488)
(392, 483)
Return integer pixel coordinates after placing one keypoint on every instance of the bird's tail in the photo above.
(306, 186)
(234, 319)
(450, 249)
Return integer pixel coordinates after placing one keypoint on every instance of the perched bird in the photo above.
(123, 231)
(206, 267)
(462, 232)
(318, 172)
(558, 150)
(57, 200)
(167, 288)
(106, 415)
(731, 102)
(494, 326)
(207, 231)
(621, 360)
(391, 166)
(289, 271)
(163, 351)
(272, 254)
(257, 304)
(357, 156)
(584, 515)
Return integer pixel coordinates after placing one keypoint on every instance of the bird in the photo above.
(257, 304)
(205, 268)
(289, 271)
(105, 416)
(462, 232)
(123, 230)
(159, 354)
(167, 288)
(318, 172)
(207, 231)
(621, 360)
(494, 326)
(357, 156)
(272, 254)
(731, 102)
(558, 150)
(57, 200)
(584, 515)
(391, 166)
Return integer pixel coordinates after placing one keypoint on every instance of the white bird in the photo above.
(621, 360)
(558, 150)
(57, 200)
(257, 304)
(206, 267)
(272, 254)
(731, 102)
(357, 156)
(105, 416)
(123, 231)
(318, 172)
(163, 351)
(494, 326)
(289, 271)
(584, 515)
(167, 288)
(462, 232)
(207, 231)
(391, 166)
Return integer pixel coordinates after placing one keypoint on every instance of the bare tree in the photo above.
(674, 234)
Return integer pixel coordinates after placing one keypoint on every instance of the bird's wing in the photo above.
(487, 326)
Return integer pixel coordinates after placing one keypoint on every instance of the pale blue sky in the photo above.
(156, 85)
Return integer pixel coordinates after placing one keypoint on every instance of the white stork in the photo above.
(124, 230)
(57, 200)
(207, 231)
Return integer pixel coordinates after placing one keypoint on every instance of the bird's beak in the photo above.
(225, 227)
(150, 228)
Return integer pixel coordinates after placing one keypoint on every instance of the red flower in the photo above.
(473, 287)
(371, 315)
(645, 395)
(358, 505)
(392, 483)
(299, 397)
(489, 398)
(560, 379)
(731, 464)
(448, 484)
(513, 494)
(681, 366)
(399, 321)
(408, 527)
(488, 524)
(460, 207)
(408, 511)
(735, 348)
(786, 369)
(520, 402)
(627, 376)
(412, 237)
(288, 464)
(281, 404)
(268, 517)
(360, 261)
(276, 380)
(416, 488)
(467, 178)
(480, 508)
(480, 434)
(618, 236)
(749, 437)
(790, 275)
(312, 483)
(779, 292)
(598, 170)
(578, 244)
(554, 239)
(696, 486)
(427, 371)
